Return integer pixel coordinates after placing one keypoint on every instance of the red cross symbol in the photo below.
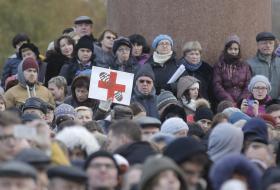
(111, 85)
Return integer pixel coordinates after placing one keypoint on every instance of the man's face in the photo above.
(28, 53)
(102, 173)
(205, 124)
(30, 75)
(108, 40)
(145, 85)
(276, 116)
(58, 93)
(84, 55)
(164, 47)
(192, 173)
(266, 47)
(8, 143)
(148, 132)
(81, 94)
(84, 116)
(83, 29)
(113, 142)
(59, 184)
(123, 53)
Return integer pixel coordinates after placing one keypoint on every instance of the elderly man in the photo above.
(83, 26)
(265, 62)
(144, 91)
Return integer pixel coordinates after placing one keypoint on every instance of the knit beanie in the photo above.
(255, 130)
(84, 42)
(259, 78)
(182, 149)
(173, 125)
(30, 46)
(160, 38)
(165, 98)
(203, 113)
(29, 63)
(145, 70)
(121, 41)
(100, 153)
(233, 38)
(65, 110)
(184, 84)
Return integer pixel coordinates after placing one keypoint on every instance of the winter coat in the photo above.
(163, 73)
(42, 71)
(204, 74)
(269, 67)
(149, 102)
(17, 95)
(102, 58)
(55, 61)
(262, 105)
(230, 81)
(10, 68)
(131, 66)
(142, 58)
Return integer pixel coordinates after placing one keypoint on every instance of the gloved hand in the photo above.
(105, 105)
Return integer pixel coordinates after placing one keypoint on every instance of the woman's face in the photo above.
(163, 47)
(193, 56)
(137, 50)
(193, 91)
(233, 49)
(167, 180)
(259, 91)
(65, 47)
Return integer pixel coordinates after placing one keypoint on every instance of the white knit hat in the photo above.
(259, 78)
(173, 125)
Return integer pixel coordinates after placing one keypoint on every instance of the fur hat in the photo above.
(160, 38)
(119, 42)
(184, 84)
(259, 78)
(173, 125)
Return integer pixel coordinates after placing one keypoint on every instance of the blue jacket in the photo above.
(10, 68)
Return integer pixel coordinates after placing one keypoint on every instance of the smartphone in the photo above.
(25, 132)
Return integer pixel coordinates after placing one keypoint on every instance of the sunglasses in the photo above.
(146, 81)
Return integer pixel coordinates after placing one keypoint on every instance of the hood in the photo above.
(184, 84)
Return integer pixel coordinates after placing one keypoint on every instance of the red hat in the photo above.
(28, 63)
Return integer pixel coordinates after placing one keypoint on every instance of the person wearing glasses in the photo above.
(123, 61)
(266, 62)
(144, 91)
(163, 62)
(254, 105)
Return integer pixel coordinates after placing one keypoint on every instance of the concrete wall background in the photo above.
(208, 21)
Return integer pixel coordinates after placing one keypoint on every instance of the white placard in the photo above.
(108, 84)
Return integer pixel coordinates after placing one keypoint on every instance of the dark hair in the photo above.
(57, 43)
(101, 37)
(227, 56)
(187, 95)
(218, 118)
(29, 46)
(93, 126)
(21, 37)
(8, 118)
(128, 128)
(140, 40)
(223, 105)
(67, 30)
(80, 82)
(273, 108)
(199, 158)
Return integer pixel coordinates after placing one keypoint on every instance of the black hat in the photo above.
(85, 42)
(100, 153)
(83, 19)
(34, 157)
(144, 121)
(68, 173)
(30, 46)
(21, 37)
(262, 36)
(17, 169)
(203, 113)
(121, 41)
(145, 70)
(182, 149)
(35, 103)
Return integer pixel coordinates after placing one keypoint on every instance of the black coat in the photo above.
(163, 74)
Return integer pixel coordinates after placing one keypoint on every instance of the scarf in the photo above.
(190, 66)
(161, 58)
(189, 104)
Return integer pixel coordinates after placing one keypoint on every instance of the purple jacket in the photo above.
(230, 81)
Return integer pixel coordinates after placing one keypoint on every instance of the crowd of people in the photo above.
(189, 126)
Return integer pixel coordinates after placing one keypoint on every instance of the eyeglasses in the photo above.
(145, 81)
(122, 50)
(260, 88)
(110, 37)
(164, 44)
(98, 166)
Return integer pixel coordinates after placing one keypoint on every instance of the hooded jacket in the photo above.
(18, 94)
